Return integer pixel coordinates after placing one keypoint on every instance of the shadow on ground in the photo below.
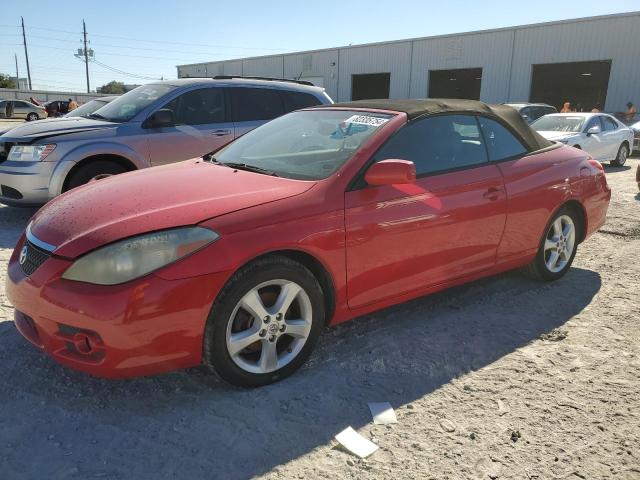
(13, 221)
(55, 422)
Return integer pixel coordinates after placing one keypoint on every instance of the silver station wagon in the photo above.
(151, 125)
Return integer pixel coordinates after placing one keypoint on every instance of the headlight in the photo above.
(30, 153)
(134, 257)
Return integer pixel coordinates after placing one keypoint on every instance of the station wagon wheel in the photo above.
(264, 323)
(32, 116)
(557, 248)
(621, 157)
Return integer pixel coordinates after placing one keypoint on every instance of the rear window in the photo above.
(250, 104)
(297, 100)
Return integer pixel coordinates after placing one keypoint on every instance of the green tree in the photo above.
(112, 87)
(6, 82)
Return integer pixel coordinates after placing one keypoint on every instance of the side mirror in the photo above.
(593, 130)
(391, 172)
(160, 118)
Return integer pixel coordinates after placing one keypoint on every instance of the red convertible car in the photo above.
(238, 261)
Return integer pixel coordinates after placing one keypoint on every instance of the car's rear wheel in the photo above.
(264, 323)
(558, 247)
(32, 117)
(621, 157)
(93, 170)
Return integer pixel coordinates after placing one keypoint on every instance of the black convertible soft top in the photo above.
(418, 108)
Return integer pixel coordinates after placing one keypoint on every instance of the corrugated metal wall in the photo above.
(506, 57)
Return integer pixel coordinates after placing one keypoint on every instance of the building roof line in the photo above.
(433, 37)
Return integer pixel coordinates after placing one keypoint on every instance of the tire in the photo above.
(32, 117)
(236, 342)
(91, 170)
(621, 157)
(542, 267)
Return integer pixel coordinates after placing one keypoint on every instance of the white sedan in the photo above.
(602, 136)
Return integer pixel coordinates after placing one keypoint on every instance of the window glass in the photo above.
(19, 103)
(297, 100)
(594, 122)
(308, 145)
(199, 107)
(501, 143)
(255, 104)
(609, 123)
(437, 144)
(127, 106)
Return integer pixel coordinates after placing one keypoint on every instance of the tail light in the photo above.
(596, 164)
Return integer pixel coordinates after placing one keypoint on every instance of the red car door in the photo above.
(446, 225)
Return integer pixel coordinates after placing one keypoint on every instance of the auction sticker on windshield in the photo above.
(367, 120)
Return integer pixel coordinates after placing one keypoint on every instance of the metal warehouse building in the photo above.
(587, 61)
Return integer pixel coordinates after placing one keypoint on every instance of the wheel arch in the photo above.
(316, 267)
(110, 157)
(580, 212)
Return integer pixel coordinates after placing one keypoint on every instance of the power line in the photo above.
(122, 72)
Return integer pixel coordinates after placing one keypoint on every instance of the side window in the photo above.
(594, 122)
(199, 107)
(609, 123)
(527, 113)
(255, 104)
(501, 143)
(297, 100)
(437, 144)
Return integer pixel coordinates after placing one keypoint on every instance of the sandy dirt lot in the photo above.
(501, 378)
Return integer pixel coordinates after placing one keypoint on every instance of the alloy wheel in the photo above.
(622, 156)
(559, 243)
(269, 326)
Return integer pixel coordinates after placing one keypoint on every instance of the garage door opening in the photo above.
(584, 84)
(460, 83)
(370, 85)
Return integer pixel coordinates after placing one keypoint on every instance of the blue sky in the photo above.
(149, 38)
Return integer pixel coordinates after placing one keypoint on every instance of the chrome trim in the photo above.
(37, 242)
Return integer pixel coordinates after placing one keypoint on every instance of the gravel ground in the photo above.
(502, 378)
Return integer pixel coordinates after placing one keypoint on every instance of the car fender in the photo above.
(78, 154)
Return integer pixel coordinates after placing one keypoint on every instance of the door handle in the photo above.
(221, 132)
(493, 193)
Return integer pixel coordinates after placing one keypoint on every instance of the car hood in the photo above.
(176, 195)
(557, 136)
(31, 131)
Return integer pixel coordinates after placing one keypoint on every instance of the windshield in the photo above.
(304, 145)
(559, 123)
(127, 106)
(86, 109)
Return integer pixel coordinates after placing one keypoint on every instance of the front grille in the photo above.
(32, 257)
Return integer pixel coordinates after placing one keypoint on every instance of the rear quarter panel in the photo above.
(537, 185)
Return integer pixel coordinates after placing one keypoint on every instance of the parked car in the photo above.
(86, 109)
(151, 125)
(600, 135)
(57, 108)
(532, 111)
(21, 109)
(319, 216)
(634, 124)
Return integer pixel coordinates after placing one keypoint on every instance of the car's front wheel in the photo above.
(558, 247)
(32, 117)
(264, 323)
(93, 170)
(621, 157)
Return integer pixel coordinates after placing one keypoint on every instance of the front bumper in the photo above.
(144, 327)
(25, 183)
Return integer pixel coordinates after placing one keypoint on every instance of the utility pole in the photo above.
(26, 53)
(86, 53)
(17, 72)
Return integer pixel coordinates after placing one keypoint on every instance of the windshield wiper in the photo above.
(97, 115)
(249, 168)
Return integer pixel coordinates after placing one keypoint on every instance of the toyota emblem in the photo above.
(23, 255)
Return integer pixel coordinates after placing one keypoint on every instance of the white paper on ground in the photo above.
(356, 443)
(383, 413)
